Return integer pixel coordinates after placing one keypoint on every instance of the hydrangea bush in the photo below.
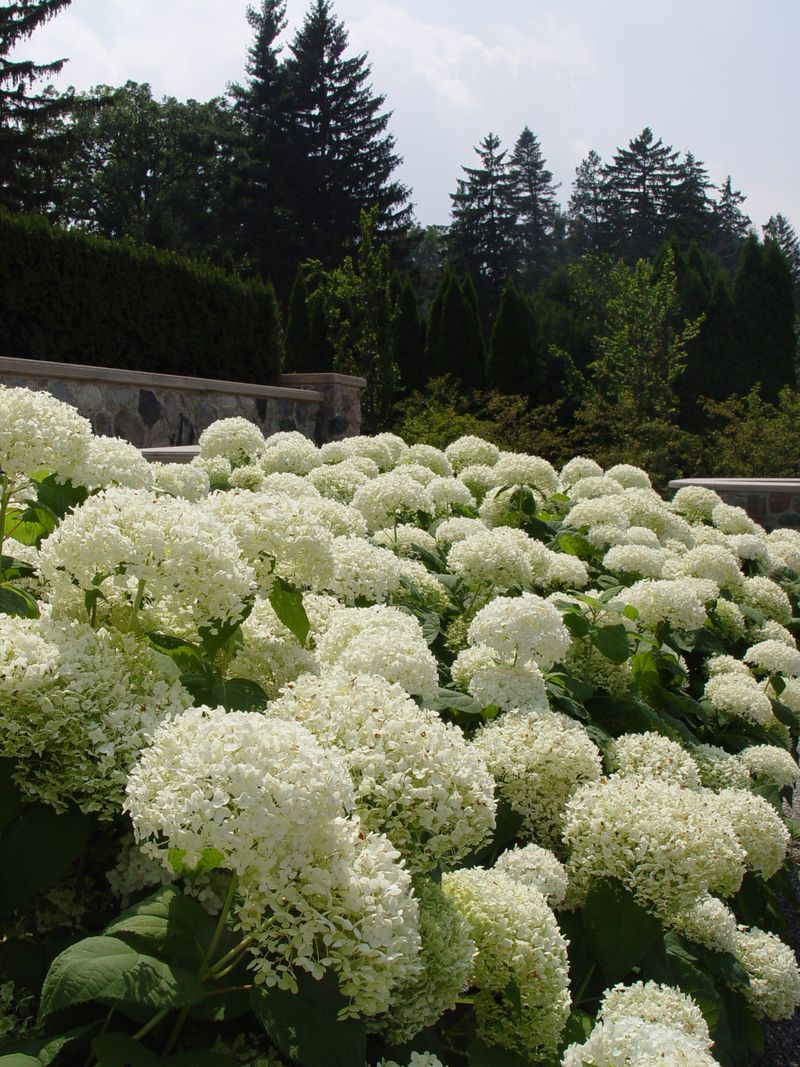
(373, 754)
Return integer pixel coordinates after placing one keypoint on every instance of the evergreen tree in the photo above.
(256, 202)
(473, 351)
(689, 209)
(534, 199)
(408, 338)
(341, 158)
(780, 230)
(731, 225)
(764, 340)
(299, 354)
(587, 208)
(513, 349)
(482, 240)
(32, 133)
(320, 343)
(640, 184)
(454, 345)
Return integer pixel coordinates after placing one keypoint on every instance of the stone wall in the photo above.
(158, 410)
(772, 502)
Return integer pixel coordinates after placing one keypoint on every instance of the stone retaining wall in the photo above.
(158, 410)
(772, 502)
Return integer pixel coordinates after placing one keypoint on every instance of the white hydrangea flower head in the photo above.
(449, 493)
(664, 600)
(751, 547)
(770, 765)
(526, 627)
(392, 497)
(395, 444)
(644, 507)
(416, 576)
(188, 561)
(290, 454)
(114, 461)
(740, 696)
(478, 478)
(594, 488)
(284, 483)
(40, 433)
(250, 476)
(418, 1059)
(758, 827)
(708, 922)
(734, 520)
(538, 761)
(767, 597)
(696, 502)
(270, 654)
(185, 480)
(563, 571)
(536, 867)
(774, 989)
(774, 657)
(517, 468)
(785, 553)
(237, 440)
(276, 535)
(518, 943)
(498, 508)
(720, 769)
(362, 571)
(730, 619)
(76, 706)
(447, 957)
(416, 778)
(492, 680)
(217, 469)
(381, 452)
(710, 535)
(770, 630)
(367, 933)
(585, 661)
(655, 1003)
(630, 477)
(404, 538)
(448, 531)
(726, 665)
(642, 560)
(492, 559)
(417, 472)
(427, 456)
(602, 511)
(664, 843)
(381, 641)
(580, 467)
(469, 451)
(630, 1041)
(338, 481)
(650, 755)
(707, 561)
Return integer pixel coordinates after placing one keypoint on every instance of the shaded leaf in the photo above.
(39, 845)
(287, 603)
(618, 930)
(14, 601)
(168, 923)
(612, 642)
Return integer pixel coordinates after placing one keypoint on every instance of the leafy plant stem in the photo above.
(587, 978)
(157, 1018)
(206, 967)
(175, 1031)
(137, 603)
(5, 497)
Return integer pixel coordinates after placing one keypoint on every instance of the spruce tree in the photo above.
(342, 159)
(32, 132)
(454, 344)
(513, 349)
(780, 230)
(299, 354)
(482, 240)
(534, 199)
(731, 225)
(689, 209)
(640, 184)
(587, 208)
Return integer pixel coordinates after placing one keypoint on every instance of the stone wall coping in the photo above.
(741, 485)
(171, 453)
(324, 378)
(40, 368)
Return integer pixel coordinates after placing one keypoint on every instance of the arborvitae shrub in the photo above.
(74, 298)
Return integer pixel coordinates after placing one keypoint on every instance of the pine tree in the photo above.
(534, 199)
(299, 355)
(32, 134)
(255, 207)
(513, 350)
(639, 185)
(342, 159)
(482, 237)
(587, 208)
(689, 209)
(408, 338)
(780, 230)
(731, 225)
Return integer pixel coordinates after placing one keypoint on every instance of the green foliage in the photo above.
(300, 355)
(755, 438)
(72, 298)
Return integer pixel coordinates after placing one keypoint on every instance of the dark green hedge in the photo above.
(74, 298)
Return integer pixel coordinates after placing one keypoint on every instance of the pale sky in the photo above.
(720, 78)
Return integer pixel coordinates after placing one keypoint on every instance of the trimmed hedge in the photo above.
(74, 298)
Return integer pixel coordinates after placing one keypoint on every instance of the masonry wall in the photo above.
(157, 410)
(772, 502)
